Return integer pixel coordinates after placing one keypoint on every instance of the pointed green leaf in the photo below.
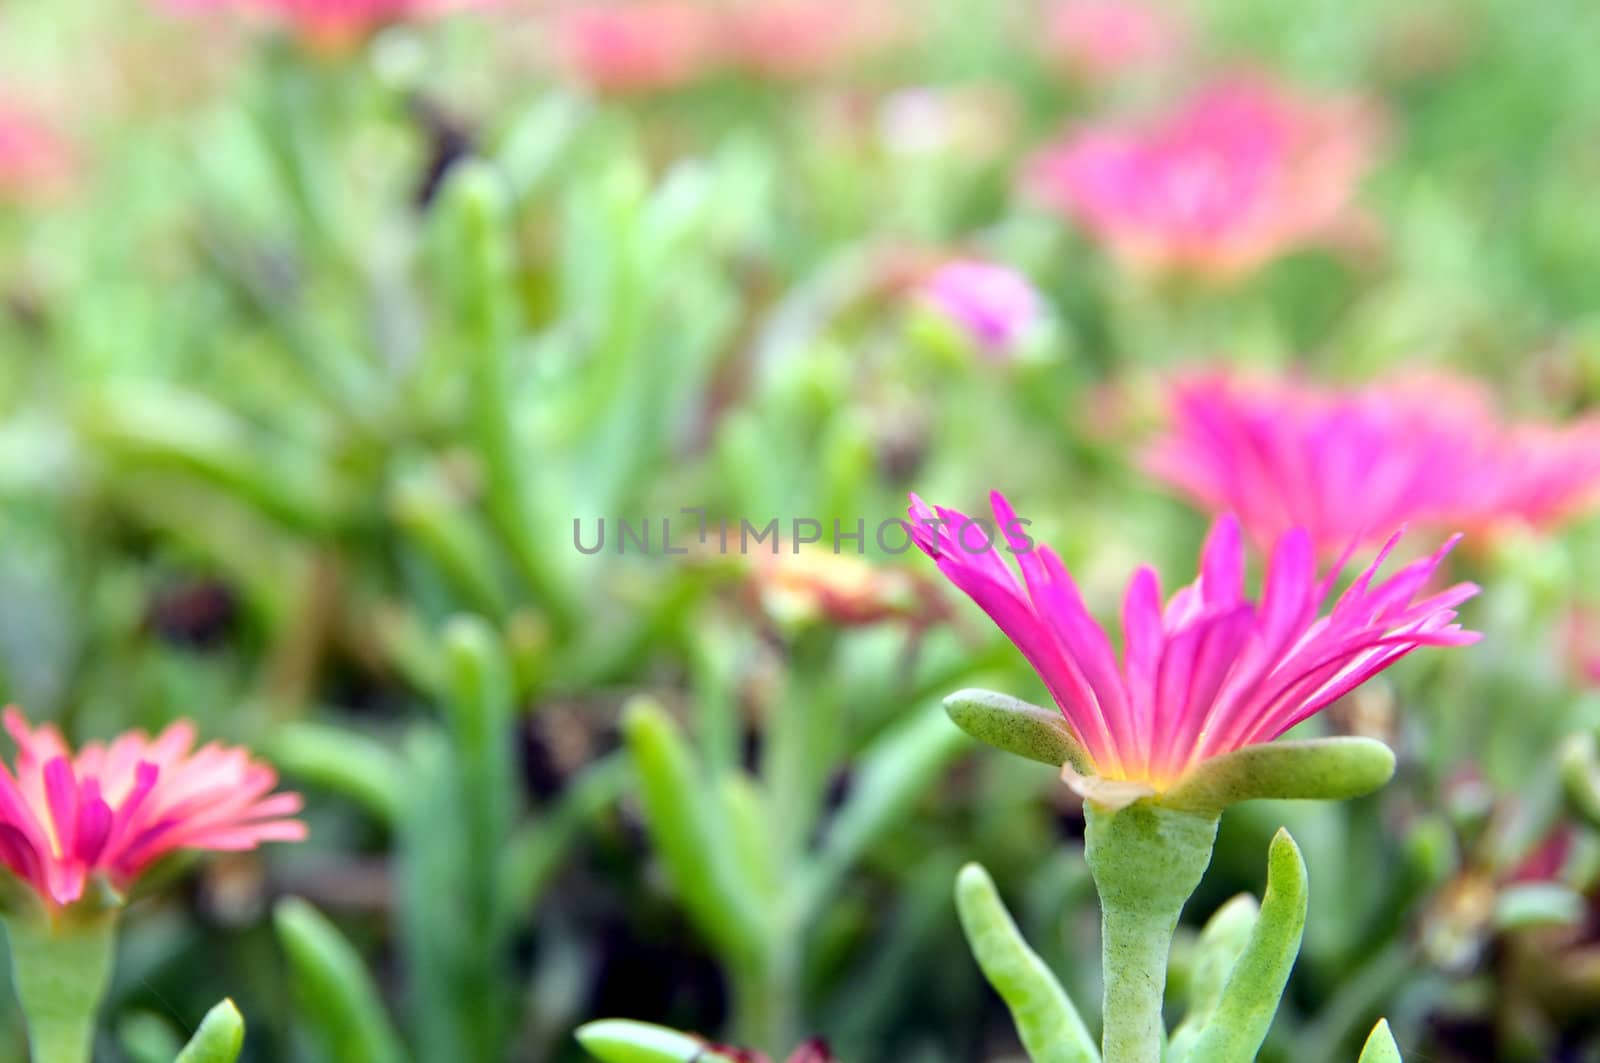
(344, 761)
(1250, 997)
(1580, 777)
(1524, 905)
(219, 1039)
(536, 850)
(890, 776)
(1221, 942)
(625, 1041)
(691, 836)
(336, 994)
(1380, 1047)
(480, 708)
(1326, 769)
(1013, 725)
(1050, 1027)
(147, 1038)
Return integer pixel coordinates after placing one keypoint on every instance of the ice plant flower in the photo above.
(35, 162)
(77, 830)
(1102, 39)
(1212, 671)
(1351, 464)
(1159, 742)
(1583, 639)
(1244, 171)
(788, 39)
(331, 25)
(994, 305)
(818, 585)
(113, 810)
(639, 47)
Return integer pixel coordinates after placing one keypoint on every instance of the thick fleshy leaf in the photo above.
(1525, 905)
(1380, 1046)
(1580, 776)
(1050, 1027)
(341, 1004)
(625, 1041)
(689, 831)
(1328, 769)
(1250, 998)
(1013, 725)
(348, 763)
(1222, 941)
(219, 1039)
(890, 776)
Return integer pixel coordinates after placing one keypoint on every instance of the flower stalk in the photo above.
(61, 968)
(1146, 861)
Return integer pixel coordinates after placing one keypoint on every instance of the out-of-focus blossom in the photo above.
(1241, 173)
(112, 810)
(35, 161)
(818, 585)
(994, 305)
(1102, 39)
(331, 25)
(1347, 465)
(1583, 642)
(636, 45)
(1212, 670)
(802, 38)
(975, 122)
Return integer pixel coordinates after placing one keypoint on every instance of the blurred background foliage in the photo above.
(307, 373)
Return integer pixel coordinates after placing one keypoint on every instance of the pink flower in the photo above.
(1349, 465)
(801, 38)
(994, 305)
(1583, 644)
(35, 162)
(639, 46)
(1101, 39)
(1210, 672)
(332, 25)
(1243, 172)
(115, 809)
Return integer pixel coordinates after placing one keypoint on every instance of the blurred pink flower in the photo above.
(1350, 464)
(331, 25)
(115, 809)
(1210, 672)
(802, 38)
(1241, 173)
(994, 305)
(636, 46)
(1583, 644)
(1101, 39)
(35, 161)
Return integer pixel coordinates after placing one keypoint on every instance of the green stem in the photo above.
(1146, 861)
(764, 1001)
(60, 972)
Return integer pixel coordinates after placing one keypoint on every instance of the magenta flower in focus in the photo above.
(994, 305)
(115, 809)
(1240, 174)
(636, 47)
(1102, 39)
(1351, 465)
(35, 162)
(1209, 672)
